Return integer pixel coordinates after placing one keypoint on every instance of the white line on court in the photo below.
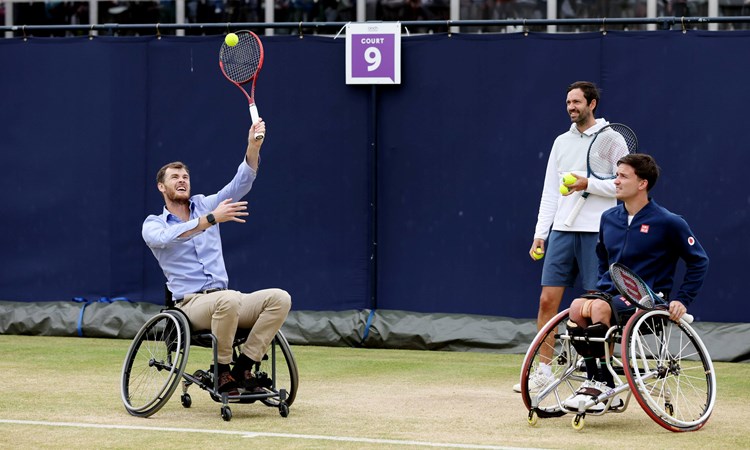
(251, 434)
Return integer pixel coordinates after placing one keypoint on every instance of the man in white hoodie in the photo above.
(569, 251)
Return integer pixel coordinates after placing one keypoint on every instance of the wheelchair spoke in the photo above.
(672, 374)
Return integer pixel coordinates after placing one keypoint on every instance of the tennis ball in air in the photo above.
(569, 179)
(538, 253)
(564, 189)
(231, 39)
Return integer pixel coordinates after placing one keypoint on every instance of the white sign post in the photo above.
(373, 53)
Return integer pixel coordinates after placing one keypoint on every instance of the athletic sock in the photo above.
(592, 368)
(606, 376)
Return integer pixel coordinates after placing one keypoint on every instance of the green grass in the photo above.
(439, 397)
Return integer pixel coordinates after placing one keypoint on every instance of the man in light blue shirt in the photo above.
(186, 240)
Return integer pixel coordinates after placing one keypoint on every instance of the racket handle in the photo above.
(576, 209)
(256, 118)
(688, 318)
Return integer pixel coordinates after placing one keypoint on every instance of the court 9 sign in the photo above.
(373, 53)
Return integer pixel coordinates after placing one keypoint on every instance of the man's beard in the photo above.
(172, 195)
(582, 118)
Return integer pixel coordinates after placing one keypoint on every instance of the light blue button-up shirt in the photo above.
(194, 263)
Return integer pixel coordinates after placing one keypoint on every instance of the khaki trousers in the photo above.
(223, 312)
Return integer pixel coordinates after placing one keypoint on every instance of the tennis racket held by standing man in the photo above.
(241, 64)
(606, 148)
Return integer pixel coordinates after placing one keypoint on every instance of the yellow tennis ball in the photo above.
(231, 39)
(569, 179)
(564, 189)
(538, 253)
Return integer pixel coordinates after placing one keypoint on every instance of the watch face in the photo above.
(211, 219)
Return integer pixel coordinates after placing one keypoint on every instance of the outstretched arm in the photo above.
(226, 211)
(252, 155)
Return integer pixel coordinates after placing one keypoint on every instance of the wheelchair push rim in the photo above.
(671, 373)
(154, 364)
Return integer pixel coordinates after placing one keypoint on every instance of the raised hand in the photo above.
(228, 210)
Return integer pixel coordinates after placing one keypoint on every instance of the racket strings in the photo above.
(631, 287)
(241, 62)
(608, 147)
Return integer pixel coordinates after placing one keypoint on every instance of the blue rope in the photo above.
(88, 302)
(368, 325)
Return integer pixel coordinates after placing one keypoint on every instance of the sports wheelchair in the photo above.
(662, 364)
(156, 360)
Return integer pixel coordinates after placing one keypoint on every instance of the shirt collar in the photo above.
(600, 123)
(168, 216)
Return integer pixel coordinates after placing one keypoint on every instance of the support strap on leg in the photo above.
(581, 338)
(597, 330)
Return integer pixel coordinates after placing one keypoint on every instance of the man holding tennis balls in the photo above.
(568, 252)
(185, 239)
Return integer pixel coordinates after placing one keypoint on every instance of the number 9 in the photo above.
(373, 58)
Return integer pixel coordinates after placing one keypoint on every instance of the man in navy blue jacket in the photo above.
(648, 239)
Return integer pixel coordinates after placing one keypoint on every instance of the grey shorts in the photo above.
(568, 255)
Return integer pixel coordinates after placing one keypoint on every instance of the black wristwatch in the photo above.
(211, 219)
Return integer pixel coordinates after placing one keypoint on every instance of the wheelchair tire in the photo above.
(155, 363)
(671, 374)
(563, 362)
(282, 368)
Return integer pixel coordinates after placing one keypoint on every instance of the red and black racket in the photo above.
(636, 291)
(241, 64)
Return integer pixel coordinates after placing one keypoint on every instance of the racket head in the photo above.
(609, 145)
(243, 61)
(632, 287)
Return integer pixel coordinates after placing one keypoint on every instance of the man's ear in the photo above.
(161, 187)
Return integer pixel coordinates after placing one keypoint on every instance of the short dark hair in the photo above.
(589, 89)
(173, 165)
(644, 166)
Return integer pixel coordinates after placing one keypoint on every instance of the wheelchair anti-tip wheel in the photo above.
(154, 363)
(550, 346)
(672, 376)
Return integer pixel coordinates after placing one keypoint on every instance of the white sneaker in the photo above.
(590, 390)
(537, 381)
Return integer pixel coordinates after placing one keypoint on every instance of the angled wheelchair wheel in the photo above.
(671, 374)
(154, 363)
(550, 346)
(282, 370)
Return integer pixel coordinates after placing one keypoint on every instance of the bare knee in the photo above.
(549, 304)
(549, 300)
(601, 312)
(585, 311)
(576, 312)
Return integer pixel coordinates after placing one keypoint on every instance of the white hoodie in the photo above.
(569, 155)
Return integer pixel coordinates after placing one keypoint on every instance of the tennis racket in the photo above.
(609, 145)
(636, 291)
(241, 64)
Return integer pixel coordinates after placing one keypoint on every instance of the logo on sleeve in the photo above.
(691, 241)
(644, 228)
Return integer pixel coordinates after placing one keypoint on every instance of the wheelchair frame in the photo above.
(665, 367)
(156, 360)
